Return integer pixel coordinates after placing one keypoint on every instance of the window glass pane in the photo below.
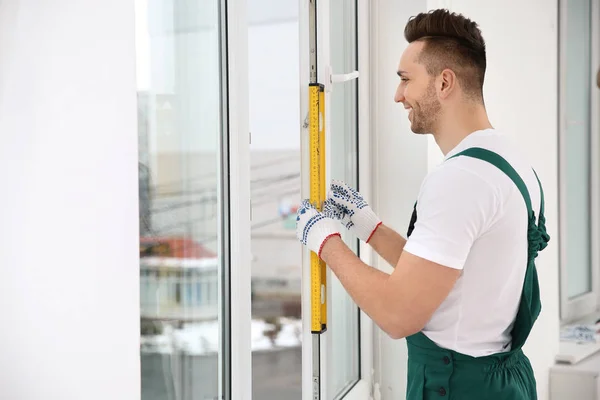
(178, 73)
(344, 321)
(273, 58)
(577, 141)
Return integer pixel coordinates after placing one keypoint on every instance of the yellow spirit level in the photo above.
(316, 129)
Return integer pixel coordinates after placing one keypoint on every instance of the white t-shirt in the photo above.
(471, 216)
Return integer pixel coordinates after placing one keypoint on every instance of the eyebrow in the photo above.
(400, 73)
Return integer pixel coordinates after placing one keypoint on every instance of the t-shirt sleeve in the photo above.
(454, 207)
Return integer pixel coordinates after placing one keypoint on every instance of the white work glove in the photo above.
(313, 228)
(350, 208)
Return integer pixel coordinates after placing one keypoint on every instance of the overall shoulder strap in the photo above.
(500, 163)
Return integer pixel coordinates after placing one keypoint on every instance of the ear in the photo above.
(448, 83)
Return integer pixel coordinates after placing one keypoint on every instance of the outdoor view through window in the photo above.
(183, 199)
(179, 102)
(274, 96)
(178, 52)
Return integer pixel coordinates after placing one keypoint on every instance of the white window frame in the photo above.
(587, 304)
(239, 357)
(363, 388)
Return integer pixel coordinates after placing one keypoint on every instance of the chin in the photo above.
(419, 129)
(416, 130)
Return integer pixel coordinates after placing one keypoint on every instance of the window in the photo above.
(197, 173)
(579, 158)
(184, 200)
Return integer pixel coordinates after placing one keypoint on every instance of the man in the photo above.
(464, 291)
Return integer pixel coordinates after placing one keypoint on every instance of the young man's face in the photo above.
(416, 91)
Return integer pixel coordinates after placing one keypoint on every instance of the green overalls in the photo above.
(436, 373)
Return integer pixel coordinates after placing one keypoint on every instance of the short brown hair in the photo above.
(451, 41)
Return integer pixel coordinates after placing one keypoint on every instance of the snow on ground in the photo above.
(203, 337)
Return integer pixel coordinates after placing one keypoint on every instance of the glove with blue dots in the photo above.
(350, 208)
(313, 228)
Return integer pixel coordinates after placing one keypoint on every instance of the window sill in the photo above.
(572, 352)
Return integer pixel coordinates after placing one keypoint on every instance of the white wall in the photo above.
(69, 295)
(521, 97)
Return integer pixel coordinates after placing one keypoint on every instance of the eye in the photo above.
(403, 79)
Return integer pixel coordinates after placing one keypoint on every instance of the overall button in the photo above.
(446, 360)
(442, 391)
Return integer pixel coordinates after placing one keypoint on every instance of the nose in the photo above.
(399, 96)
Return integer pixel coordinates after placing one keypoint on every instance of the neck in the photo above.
(458, 124)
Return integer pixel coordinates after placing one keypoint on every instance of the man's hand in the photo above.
(314, 228)
(350, 208)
